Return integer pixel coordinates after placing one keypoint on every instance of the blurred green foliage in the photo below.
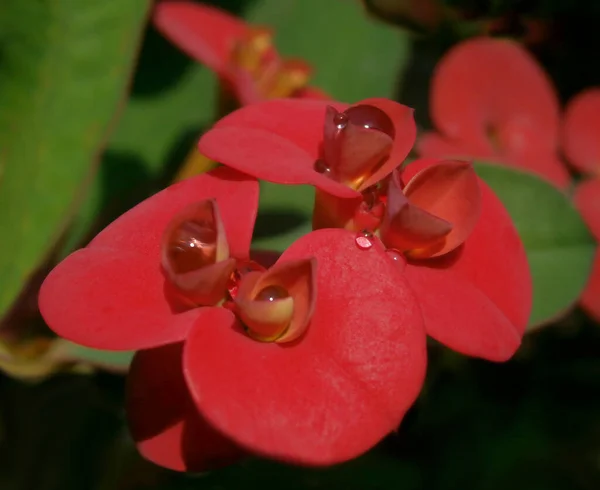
(64, 69)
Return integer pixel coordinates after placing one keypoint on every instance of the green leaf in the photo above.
(354, 56)
(65, 66)
(114, 361)
(172, 101)
(284, 215)
(559, 246)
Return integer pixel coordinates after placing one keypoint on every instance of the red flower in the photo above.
(582, 148)
(447, 230)
(241, 55)
(490, 100)
(312, 361)
(581, 127)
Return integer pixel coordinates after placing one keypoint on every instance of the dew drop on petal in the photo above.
(272, 293)
(364, 240)
(340, 120)
(321, 167)
(370, 117)
(190, 245)
(395, 255)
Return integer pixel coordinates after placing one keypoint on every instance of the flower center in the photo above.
(356, 143)
(272, 78)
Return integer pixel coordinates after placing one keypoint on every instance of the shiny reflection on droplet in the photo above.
(340, 120)
(191, 243)
(364, 240)
(370, 117)
(395, 255)
(272, 293)
(321, 167)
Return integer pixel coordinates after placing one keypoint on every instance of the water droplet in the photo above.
(272, 293)
(321, 167)
(364, 240)
(371, 117)
(395, 255)
(242, 268)
(340, 120)
(190, 241)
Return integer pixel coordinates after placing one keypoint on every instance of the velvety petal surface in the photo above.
(163, 420)
(204, 33)
(587, 200)
(140, 229)
(477, 299)
(110, 299)
(110, 295)
(544, 163)
(280, 141)
(581, 130)
(267, 156)
(298, 121)
(336, 391)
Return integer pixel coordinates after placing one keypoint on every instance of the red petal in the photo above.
(587, 200)
(477, 300)
(485, 85)
(140, 229)
(448, 190)
(109, 299)
(581, 129)
(267, 156)
(409, 228)
(543, 163)
(277, 140)
(204, 33)
(434, 145)
(405, 131)
(163, 419)
(489, 81)
(335, 392)
(111, 295)
(298, 121)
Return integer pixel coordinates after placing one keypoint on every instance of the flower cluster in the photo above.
(314, 356)
(491, 100)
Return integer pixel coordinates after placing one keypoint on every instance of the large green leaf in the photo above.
(172, 101)
(64, 67)
(354, 55)
(559, 247)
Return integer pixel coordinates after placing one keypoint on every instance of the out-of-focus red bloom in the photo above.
(441, 225)
(490, 100)
(581, 144)
(241, 55)
(581, 130)
(311, 361)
